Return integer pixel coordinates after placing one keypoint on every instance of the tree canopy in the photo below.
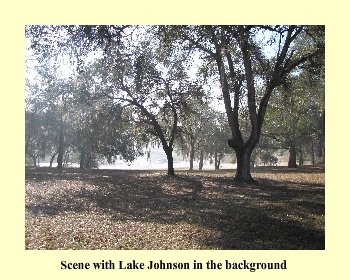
(110, 84)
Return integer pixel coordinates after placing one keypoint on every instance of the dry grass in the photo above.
(99, 209)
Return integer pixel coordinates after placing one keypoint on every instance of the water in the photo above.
(157, 161)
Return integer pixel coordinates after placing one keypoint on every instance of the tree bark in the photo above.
(82, 159)
(191, 152)
(243, 164)
(201, 160)
(52, 159)
(34, 160)
(312, 152)
(215, 160)
(323, 136)
(301, 159)
(292, 162)
(169, 155)
(60, 149)
(217, 167)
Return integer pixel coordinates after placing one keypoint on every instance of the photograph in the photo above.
(175, 137)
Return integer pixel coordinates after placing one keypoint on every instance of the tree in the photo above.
(48, 98)
(203, 136)
(154, 81)
(295, 117)
(243, 66)
(146, 67)
(33, 136)
(71, 120)
(134, 69)
(213, 143)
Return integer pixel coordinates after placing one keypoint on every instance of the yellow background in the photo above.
(16, 263)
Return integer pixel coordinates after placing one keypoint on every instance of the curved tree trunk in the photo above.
(167, 147)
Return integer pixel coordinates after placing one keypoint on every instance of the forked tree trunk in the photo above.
(284, 63)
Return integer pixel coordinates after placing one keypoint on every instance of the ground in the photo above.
(110, 209)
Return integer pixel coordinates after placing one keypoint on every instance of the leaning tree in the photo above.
(151, 78)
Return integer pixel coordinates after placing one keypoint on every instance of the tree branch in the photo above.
(199, 46)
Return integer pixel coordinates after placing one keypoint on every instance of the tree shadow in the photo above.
(284, 169)
(265, 215)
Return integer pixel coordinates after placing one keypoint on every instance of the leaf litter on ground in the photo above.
(135, 210)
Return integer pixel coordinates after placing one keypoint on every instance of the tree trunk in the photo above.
(201, 160)
(243, 165)
(34, 160)
(60, 149)
(168, 148)
(66, 159)
(82, 159)
(292, 162)
(218, 164)
(312, 152)
(192, 153)
(242, 149)
(215, 160)
(169, 155)
(52, 159)
(301, 159)
(323, 137)
(88, 162)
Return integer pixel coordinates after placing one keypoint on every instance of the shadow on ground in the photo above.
(267, 214)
